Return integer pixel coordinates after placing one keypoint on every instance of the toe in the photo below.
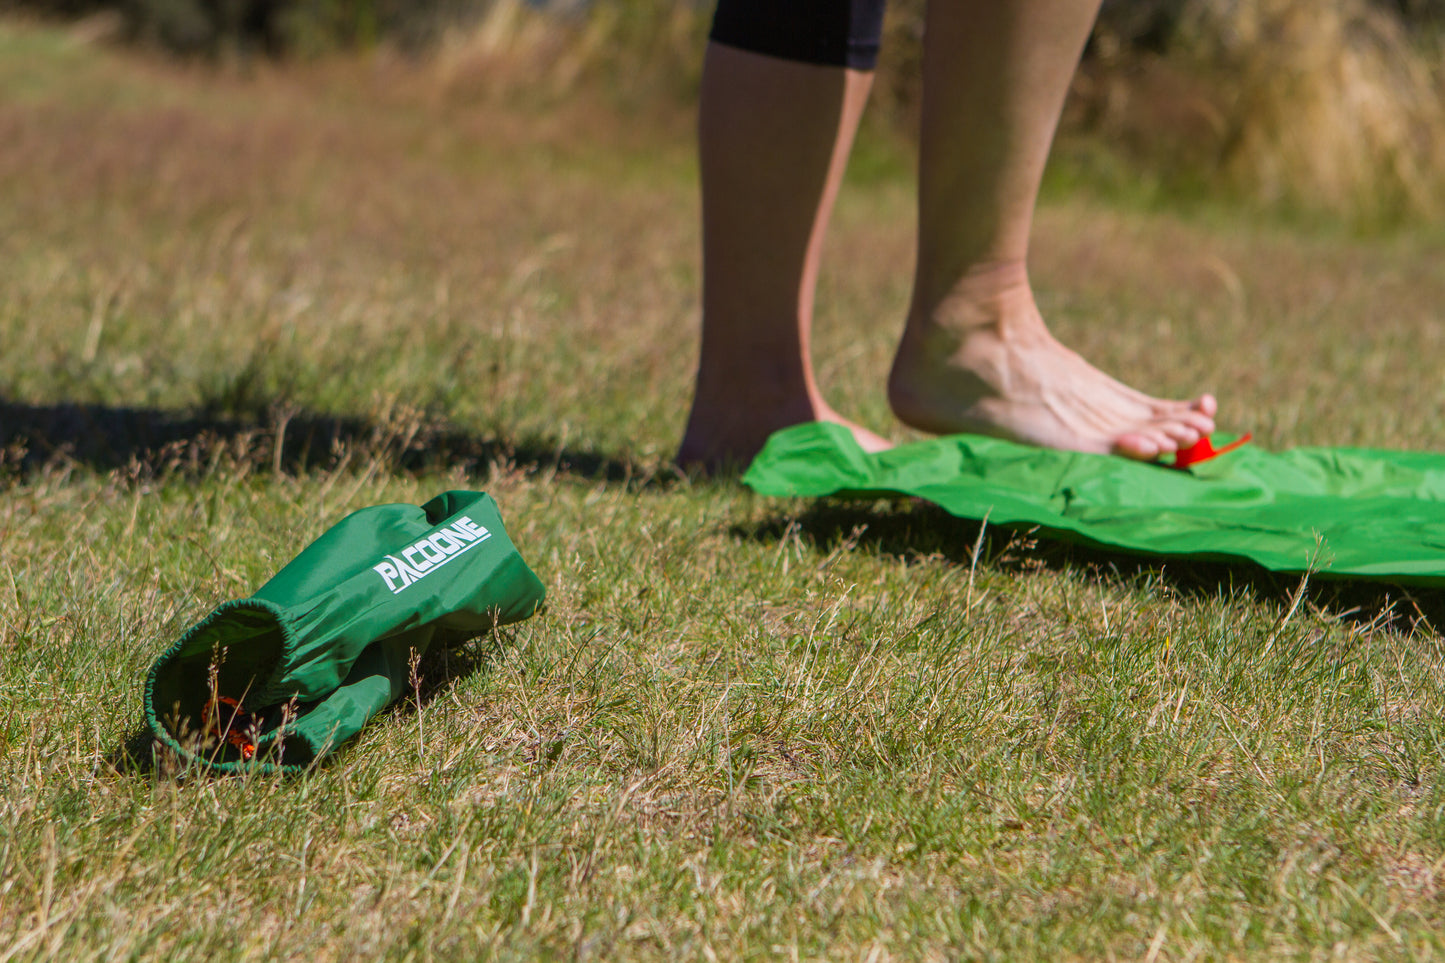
(1143, 445)
(1197, 420)
(1181, 433)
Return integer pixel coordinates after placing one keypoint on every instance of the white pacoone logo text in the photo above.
(416, 562)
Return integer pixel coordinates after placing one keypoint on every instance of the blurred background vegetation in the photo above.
(1292, 105)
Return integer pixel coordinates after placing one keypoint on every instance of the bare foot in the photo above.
(726, 437)
(985, 362)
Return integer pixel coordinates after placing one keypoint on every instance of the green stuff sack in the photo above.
(1336, 512)
(279, 680)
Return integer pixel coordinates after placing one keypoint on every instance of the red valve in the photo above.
(1203, 450)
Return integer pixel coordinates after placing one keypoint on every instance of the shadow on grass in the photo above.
(915, 530)
(156, 442)
(140, 753)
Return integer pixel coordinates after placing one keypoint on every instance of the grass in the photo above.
(237, 306)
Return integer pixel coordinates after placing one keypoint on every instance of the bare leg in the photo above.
(976, 354)
(774, 137)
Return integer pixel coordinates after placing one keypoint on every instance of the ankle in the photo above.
(993, 276)
(733, 404)
(990, 298)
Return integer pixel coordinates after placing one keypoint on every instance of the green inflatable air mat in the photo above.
(1335, 512)
(278, 680)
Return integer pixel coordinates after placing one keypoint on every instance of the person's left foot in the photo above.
(985, 362)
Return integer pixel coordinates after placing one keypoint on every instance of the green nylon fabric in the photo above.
(327, 643)
(1335, 512)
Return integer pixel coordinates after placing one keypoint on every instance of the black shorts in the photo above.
(838, 33)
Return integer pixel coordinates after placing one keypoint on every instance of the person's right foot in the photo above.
(983, 361)
(726, 436)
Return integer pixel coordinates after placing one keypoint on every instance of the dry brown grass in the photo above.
(515, 50)
(1289, 103)
(1334, 105)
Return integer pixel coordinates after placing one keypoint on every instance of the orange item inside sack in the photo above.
(235, 729)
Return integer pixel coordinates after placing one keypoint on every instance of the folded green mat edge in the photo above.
(1338, 513)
